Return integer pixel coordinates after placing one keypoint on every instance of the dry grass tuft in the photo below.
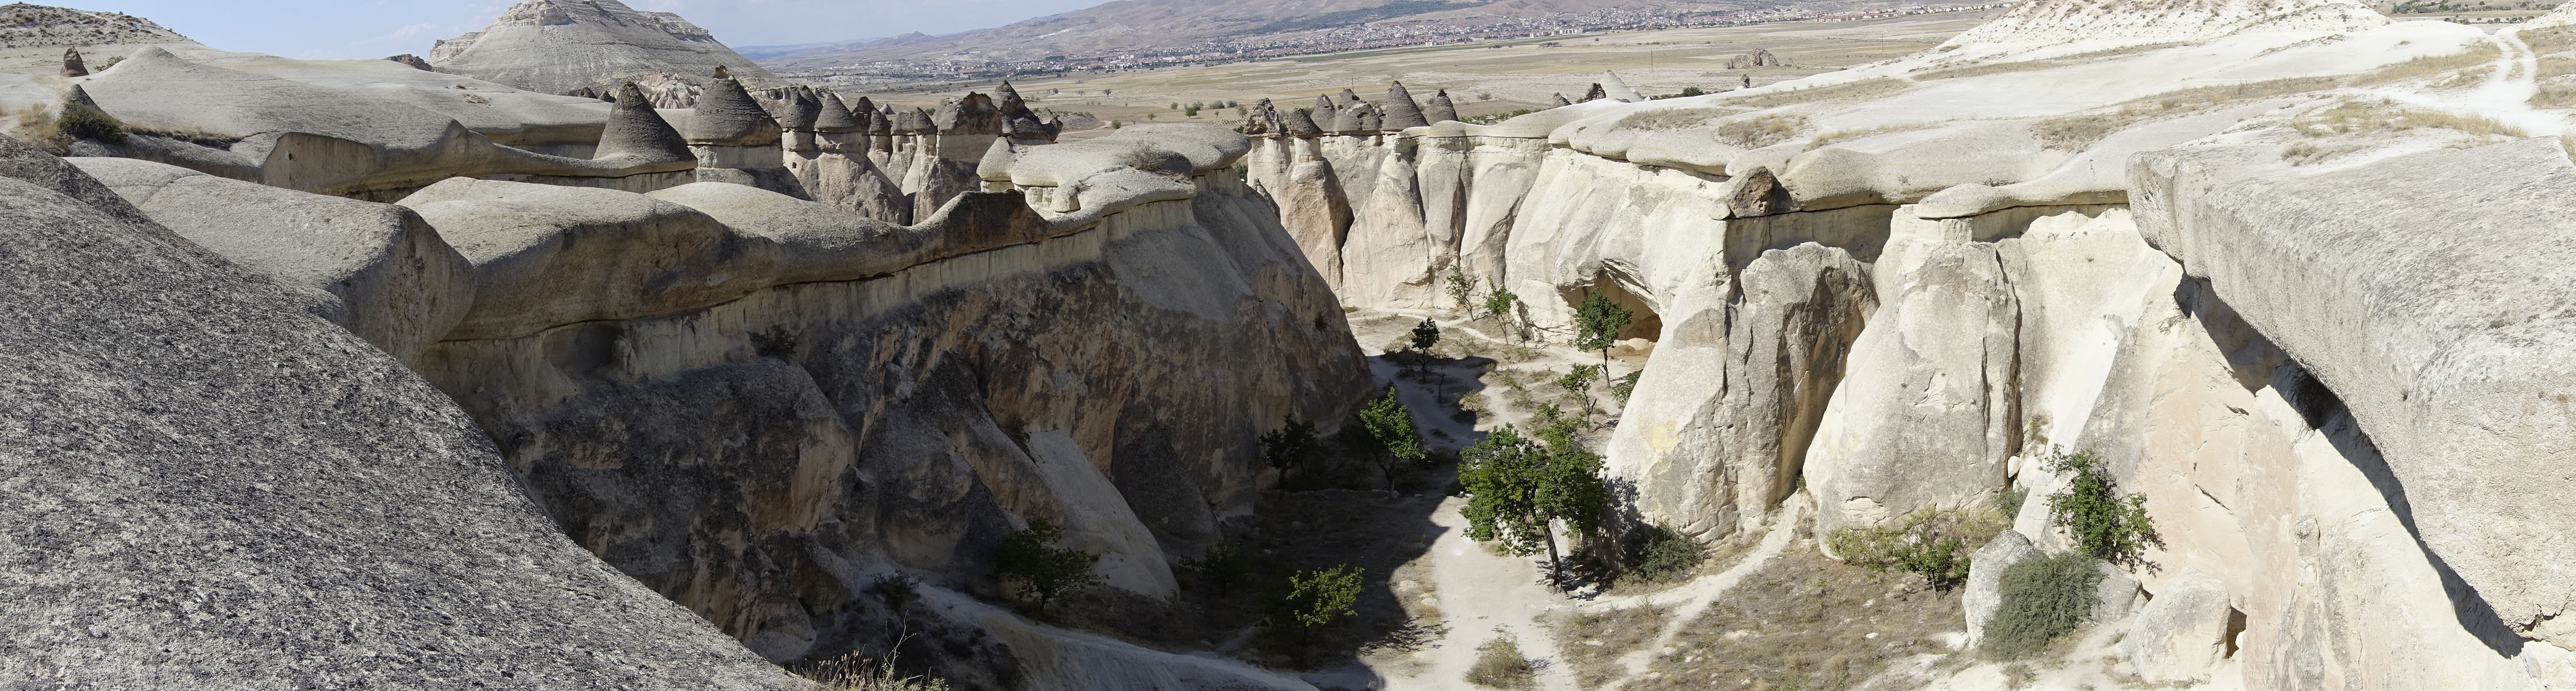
(2551, 95)
(2372, 115)
(36, 127)
(855, 673)
(2551, 39)
(2076, 132)
(2309, 153)
(1866, 88)
(2483, 55)
(1807, 621)
(2555, 65)
(1828, 138)
(1593, 641)
(1500, 665)
(1761, 131)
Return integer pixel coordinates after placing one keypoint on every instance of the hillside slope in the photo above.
(558, 46)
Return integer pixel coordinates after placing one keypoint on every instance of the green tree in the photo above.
(2105, 524)
(1597, 322)
(1043, 572)
(1389, 434)
(1294, 444)
(1316, 599)
(1499, 301)
(1518, 489)
(1579, 382)
(1462, 288)
(1426, 335)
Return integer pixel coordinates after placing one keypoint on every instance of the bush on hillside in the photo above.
(1934, 543)
(2041, 598)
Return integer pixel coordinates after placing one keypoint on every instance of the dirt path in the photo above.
(1691, 599)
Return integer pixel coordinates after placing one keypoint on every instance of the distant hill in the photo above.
(557, 46)
(1152, 24)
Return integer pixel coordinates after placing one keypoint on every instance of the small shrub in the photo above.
(1291, 446)
(2009, 503)
(1624, 387)
(2042, 598)
(895, 589)
(83, 122)
(1500, 665)
(2105, 524)
(1043, 572)
(1655, 553)
(1316, 599)
(1934, 543)
(1223, 566)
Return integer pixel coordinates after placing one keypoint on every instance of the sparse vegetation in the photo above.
(895, 590)
(1821, 140)
(2352, 115)
(1030, 561)
(1761, 130)
(2554, 96)
(1499, 301)
(2104, 523)
(1625, 386)
(1866, 88)
(1597, 322)
(1460, 287)
(2041, 598)
(1933, 543)
(1802, 620)
(1592, 640)
(1578, 382)
(2483, 54)
(855, 672)
(1500, 665)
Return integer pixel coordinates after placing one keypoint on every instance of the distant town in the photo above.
(971, 65)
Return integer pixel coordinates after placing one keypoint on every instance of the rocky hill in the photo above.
(559, 46)
(1167, 24)
(33, 37)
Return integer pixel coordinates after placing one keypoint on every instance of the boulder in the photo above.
(72, 65)
(374, 269)
(2181, 635)
(1984, 590)
(2116, 595)
(414, 62)
(210, 488)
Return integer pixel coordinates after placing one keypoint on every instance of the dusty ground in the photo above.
(1482, 78)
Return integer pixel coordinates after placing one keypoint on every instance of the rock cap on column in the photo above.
(1401, 111)
(1299, 124)
(636, 130)
(1440, 109)
(727, 116)
(836, 117)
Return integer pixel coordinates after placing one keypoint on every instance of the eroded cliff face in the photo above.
(758, 406)
(2344, 427)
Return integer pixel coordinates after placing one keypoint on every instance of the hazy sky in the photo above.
(378, 28)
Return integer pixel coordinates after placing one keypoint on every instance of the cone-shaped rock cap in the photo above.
(1371, 120)
(1616, 89)
(1596, 93)
(1301, 125)
(1350, 98)
(1347, 121)
(797, 109)
(835, 117)
(727, 116)
(1561, 102)
(879, 122)
(1440, 109)
(1401, 111)
(72, 64)
(914, 122)
(635, 130)
(973, 113)
(1008, 99)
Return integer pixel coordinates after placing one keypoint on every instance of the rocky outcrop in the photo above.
(1760, 57)
(557, 46)
(1440, 109)
(212, 487)
(1401, 111)
(2183, 635)
(72, 65)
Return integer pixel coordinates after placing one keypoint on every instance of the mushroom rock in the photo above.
(1401, 111)
(880, 123)
(1324, 110)
(973, 113)
(638, 132)
(1440, 109)
(835, 117)
(863, 105)
(1300, 125)
(72, 65)
(727, 116)
(798, 108)
(1346, 121)
(1255, 123)
(918, 121)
